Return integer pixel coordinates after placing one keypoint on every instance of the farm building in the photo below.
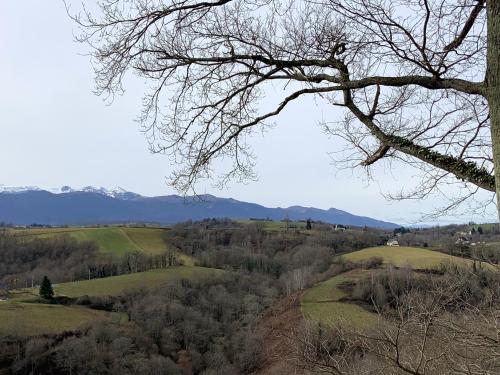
(392, 243)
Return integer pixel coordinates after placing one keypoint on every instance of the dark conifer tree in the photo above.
(46, 290)
(309, 224)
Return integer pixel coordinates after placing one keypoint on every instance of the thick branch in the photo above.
(467, 26)
(377, 155)
(431, 83)
(467, 171)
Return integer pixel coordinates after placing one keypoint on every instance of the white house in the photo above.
(392, 243)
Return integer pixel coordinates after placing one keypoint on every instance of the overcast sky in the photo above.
(55, 132)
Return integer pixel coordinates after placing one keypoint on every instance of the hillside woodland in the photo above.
(429, 321)
(25, 260)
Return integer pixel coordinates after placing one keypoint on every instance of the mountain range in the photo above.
(89, 205)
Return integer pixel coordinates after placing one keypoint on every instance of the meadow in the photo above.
(22, 314)
(276, 225)
(322, 303)
(22, 318)
(117, 285)
(401, 256)
(111, 240)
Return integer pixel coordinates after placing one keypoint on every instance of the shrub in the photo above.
(373, 262)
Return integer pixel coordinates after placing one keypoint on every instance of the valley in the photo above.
(317, 276)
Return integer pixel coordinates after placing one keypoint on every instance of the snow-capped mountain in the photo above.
(17, 189)
(117, 192)
(91, 205)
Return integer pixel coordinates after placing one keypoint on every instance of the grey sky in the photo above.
(55, 132)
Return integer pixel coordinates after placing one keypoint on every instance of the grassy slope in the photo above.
(21, 315)
(18, 318)
(111, 240)
(403, 256)
(321, 303)
(116, 285)
(276, 225)
(149, 240)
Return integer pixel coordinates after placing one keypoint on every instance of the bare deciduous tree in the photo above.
(418, 79)
(441, 331)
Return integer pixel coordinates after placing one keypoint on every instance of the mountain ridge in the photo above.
(91, 205)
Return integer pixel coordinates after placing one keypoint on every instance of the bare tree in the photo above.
(418, 79)
(441, 331)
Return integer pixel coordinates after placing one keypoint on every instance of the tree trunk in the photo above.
(493, 80)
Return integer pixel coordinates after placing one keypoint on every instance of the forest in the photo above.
(215, 324)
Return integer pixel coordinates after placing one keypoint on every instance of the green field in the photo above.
(405, 256)
(111, 240)
(23, 316)
(321, 303)
(276, 225)
(149, 240)
(117, 285)
(17, 318)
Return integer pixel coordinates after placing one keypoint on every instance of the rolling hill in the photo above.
(20, 318)
(21, 314)
(117, 285)
(98, 206)
(323, 302)
(115, 240)
(401, 256)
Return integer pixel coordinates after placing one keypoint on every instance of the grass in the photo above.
(276, 225)
(149, 240)
(117, 285)
(113, 240)
(322, 303)
(110, 240)
(405, 256)
(326, 291)
(20, 315)
(27, 319)
(486, 226)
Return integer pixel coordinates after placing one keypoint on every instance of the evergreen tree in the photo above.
(46, 290)
(308, 224)
(480, 230)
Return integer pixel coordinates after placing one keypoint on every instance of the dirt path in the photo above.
(275, 324)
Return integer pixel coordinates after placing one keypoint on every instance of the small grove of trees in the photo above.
(24, 261)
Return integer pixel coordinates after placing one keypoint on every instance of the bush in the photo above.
(373, 262)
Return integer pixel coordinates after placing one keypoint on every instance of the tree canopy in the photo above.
(416, 79)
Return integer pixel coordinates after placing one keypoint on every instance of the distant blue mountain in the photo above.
(98, 206)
